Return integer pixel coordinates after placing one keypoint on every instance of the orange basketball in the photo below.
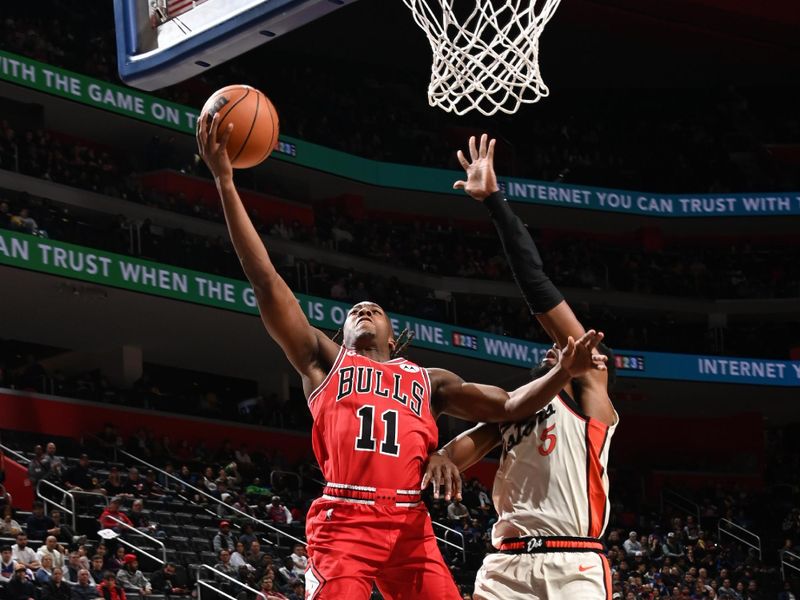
(255, 123)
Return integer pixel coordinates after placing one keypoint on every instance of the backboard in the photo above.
(162, 42)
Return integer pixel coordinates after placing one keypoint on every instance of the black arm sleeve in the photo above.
(523, 256)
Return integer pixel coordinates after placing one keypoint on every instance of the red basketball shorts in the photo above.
(350, 546)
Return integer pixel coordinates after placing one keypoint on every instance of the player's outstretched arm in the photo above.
(308, 349)
(543, 298)
(459, 454)
(478, 402)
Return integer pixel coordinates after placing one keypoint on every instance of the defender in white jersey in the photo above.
(551, 489)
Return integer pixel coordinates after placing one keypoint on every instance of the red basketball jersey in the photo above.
(373, 425)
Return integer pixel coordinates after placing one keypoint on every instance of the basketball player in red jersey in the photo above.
(374, 423)
(551, 488)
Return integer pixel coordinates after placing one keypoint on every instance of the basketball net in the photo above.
(487, 60)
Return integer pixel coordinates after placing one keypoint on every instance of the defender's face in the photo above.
(366, 321)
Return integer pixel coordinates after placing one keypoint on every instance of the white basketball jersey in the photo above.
(552, 478)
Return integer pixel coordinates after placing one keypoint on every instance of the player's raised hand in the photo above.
(579, 357)
(441, 472)
(211, 144)
(481, 180)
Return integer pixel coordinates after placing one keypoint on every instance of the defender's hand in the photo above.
(211, 144)
(442, 472)
(579, 356)
(481, 180)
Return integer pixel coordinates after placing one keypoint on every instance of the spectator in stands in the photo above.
(457, 511)
(96, 568)
(673, 547)
(19, 588)
(150, 487)
(37, 468)
(131, 578)
(52, 549)
(114, 486)
(109, 439)
(632, 546)
(753, 592)
(224, 566)
(64, 533)
(170, 581)
(238, 558)
(83, 589)
(55, 466)
(133, 486)
(45, 572)
(109, 589)
(72, 572)
(288, 573)
(224, 539)
(7, 564)
(39, 525)
(8, 526)
(142, 522)
(787, 594)
(56, 588)
(278, 513)
(268, 591)
(111, 512)
(299, 558)
(117, 561)
(247, 537)
(23, 554)
(255, 555)
(298, 592)
(80, 477)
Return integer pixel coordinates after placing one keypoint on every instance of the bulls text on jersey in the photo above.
(368, 380)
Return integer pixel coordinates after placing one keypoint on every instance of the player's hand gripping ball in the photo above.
(255, 123)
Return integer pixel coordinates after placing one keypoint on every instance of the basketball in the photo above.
(255, 123)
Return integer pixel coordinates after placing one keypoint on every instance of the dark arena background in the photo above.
(660, 179)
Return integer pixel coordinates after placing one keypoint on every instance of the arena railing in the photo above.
(201, 583)
(17, 456)
(162, 560)
(737, 532)
(73, 512)
(788, 560)
(683, 503)
(449, 530)
(278, 532)
(284, 473)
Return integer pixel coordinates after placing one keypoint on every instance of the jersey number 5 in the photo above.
(366, 440)
(548, 441)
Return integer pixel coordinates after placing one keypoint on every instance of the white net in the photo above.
(486, 59)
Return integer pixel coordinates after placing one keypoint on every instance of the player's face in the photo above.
(367, 324)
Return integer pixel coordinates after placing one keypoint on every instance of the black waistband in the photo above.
(539, 544)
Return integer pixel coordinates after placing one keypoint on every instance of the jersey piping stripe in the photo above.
(596, 435)
(571, 406)
(427, 379)
(345, 486)
(607, 584)
(350, 500)
(328, 377)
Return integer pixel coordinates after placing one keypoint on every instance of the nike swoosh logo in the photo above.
(583, 568)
